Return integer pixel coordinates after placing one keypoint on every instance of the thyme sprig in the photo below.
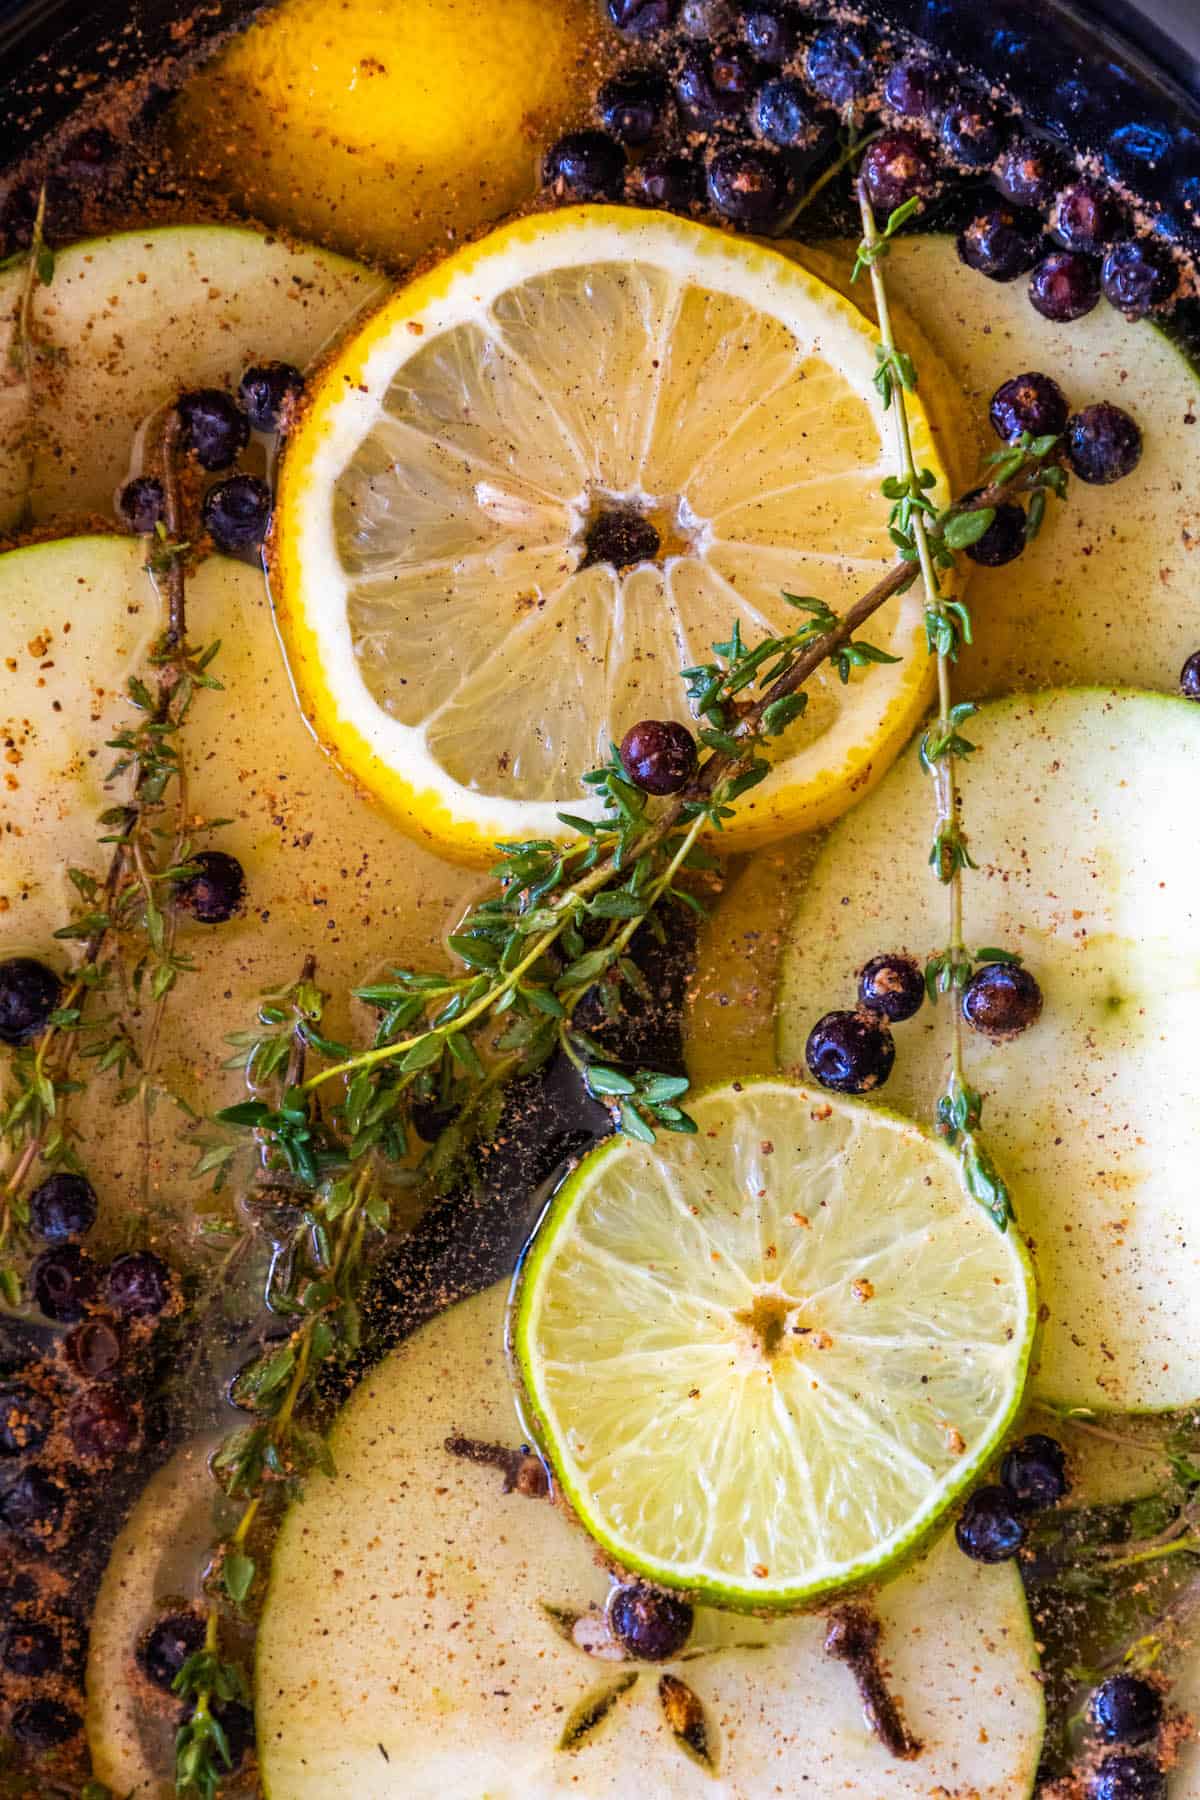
(928, 540)
(337, 1200)
(125, 921)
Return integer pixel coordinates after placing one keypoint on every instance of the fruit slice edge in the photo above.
(342, 624)
(1071, 802)
(814, 1308)
(434, 1586)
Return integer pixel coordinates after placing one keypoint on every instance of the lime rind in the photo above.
(828, 1490)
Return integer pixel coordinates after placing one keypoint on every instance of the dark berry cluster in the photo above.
(993, 1523)
(71, 1405)
(854, 1052)
(733, 107)
(215, 430)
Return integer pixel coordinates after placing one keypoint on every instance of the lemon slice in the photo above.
(455, 648)
(765, 1360)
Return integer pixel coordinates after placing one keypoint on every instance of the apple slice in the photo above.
(325, 871)
(1106, 592)
(408, 1646)
(1072, 805)
(154, 1567)
(132, 319)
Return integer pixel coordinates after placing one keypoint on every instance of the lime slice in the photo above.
(764, 1360)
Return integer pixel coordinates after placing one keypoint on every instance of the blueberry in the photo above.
(896, 168)
(1137, 276)
(589, 165)
(237, 512)
(431, 1117)
(1126, 1710)
(139, 1284)
(29, 993)
(142, 503)
(641, 18)
(915, 88)
(674, 183)
(1035, 1471)
(237, 1722)
(972, 133)
(990, 1528)
(1031, 402)
(102, 1425)
(214, 427)
(850, 1052)
(716, 85)
(31, 1648)
(633, 104)
(94, 1350)
(269, 392)
(1137, 150)
(893, 985)
(167, 1645)
(620, 536)
(748, 185)
(648, 1622)
(840, 65)
(1001, 242)
(62, 1206)
(1085, 217)
(44, 1724)
(34, 1507)
(1004, 539)
(1103, 443)
(1189, 677)
(1001, 999)
(783, 114)
(1064, 286)
(659, 756)
(63, 1281)
(217, 889)
(770, 33)
(1029, 172)
(1127, 1778)
(25, 1419)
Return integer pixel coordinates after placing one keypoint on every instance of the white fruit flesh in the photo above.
(1107, 592)
(324, 870)
(765, 1358)
(1089, 871)
(132, 319)
(405, 1652)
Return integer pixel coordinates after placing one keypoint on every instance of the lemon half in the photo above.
(451, 642)
(765, 1360)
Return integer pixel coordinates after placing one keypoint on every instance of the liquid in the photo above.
(329, 876)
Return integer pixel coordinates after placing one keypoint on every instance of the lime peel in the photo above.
(765, 1361)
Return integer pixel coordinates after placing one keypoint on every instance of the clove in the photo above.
(522, 1470)
(853, 1638)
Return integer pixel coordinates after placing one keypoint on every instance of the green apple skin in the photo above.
(130, 320)
(1087, 869)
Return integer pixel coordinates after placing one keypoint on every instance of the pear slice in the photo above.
(325, 872)
(130, 320)
(1106, 593)
(415, 1641)
(1072, 805)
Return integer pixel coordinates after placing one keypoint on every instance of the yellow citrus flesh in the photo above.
(387, 127)
(766, 1358)
(453, 648)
